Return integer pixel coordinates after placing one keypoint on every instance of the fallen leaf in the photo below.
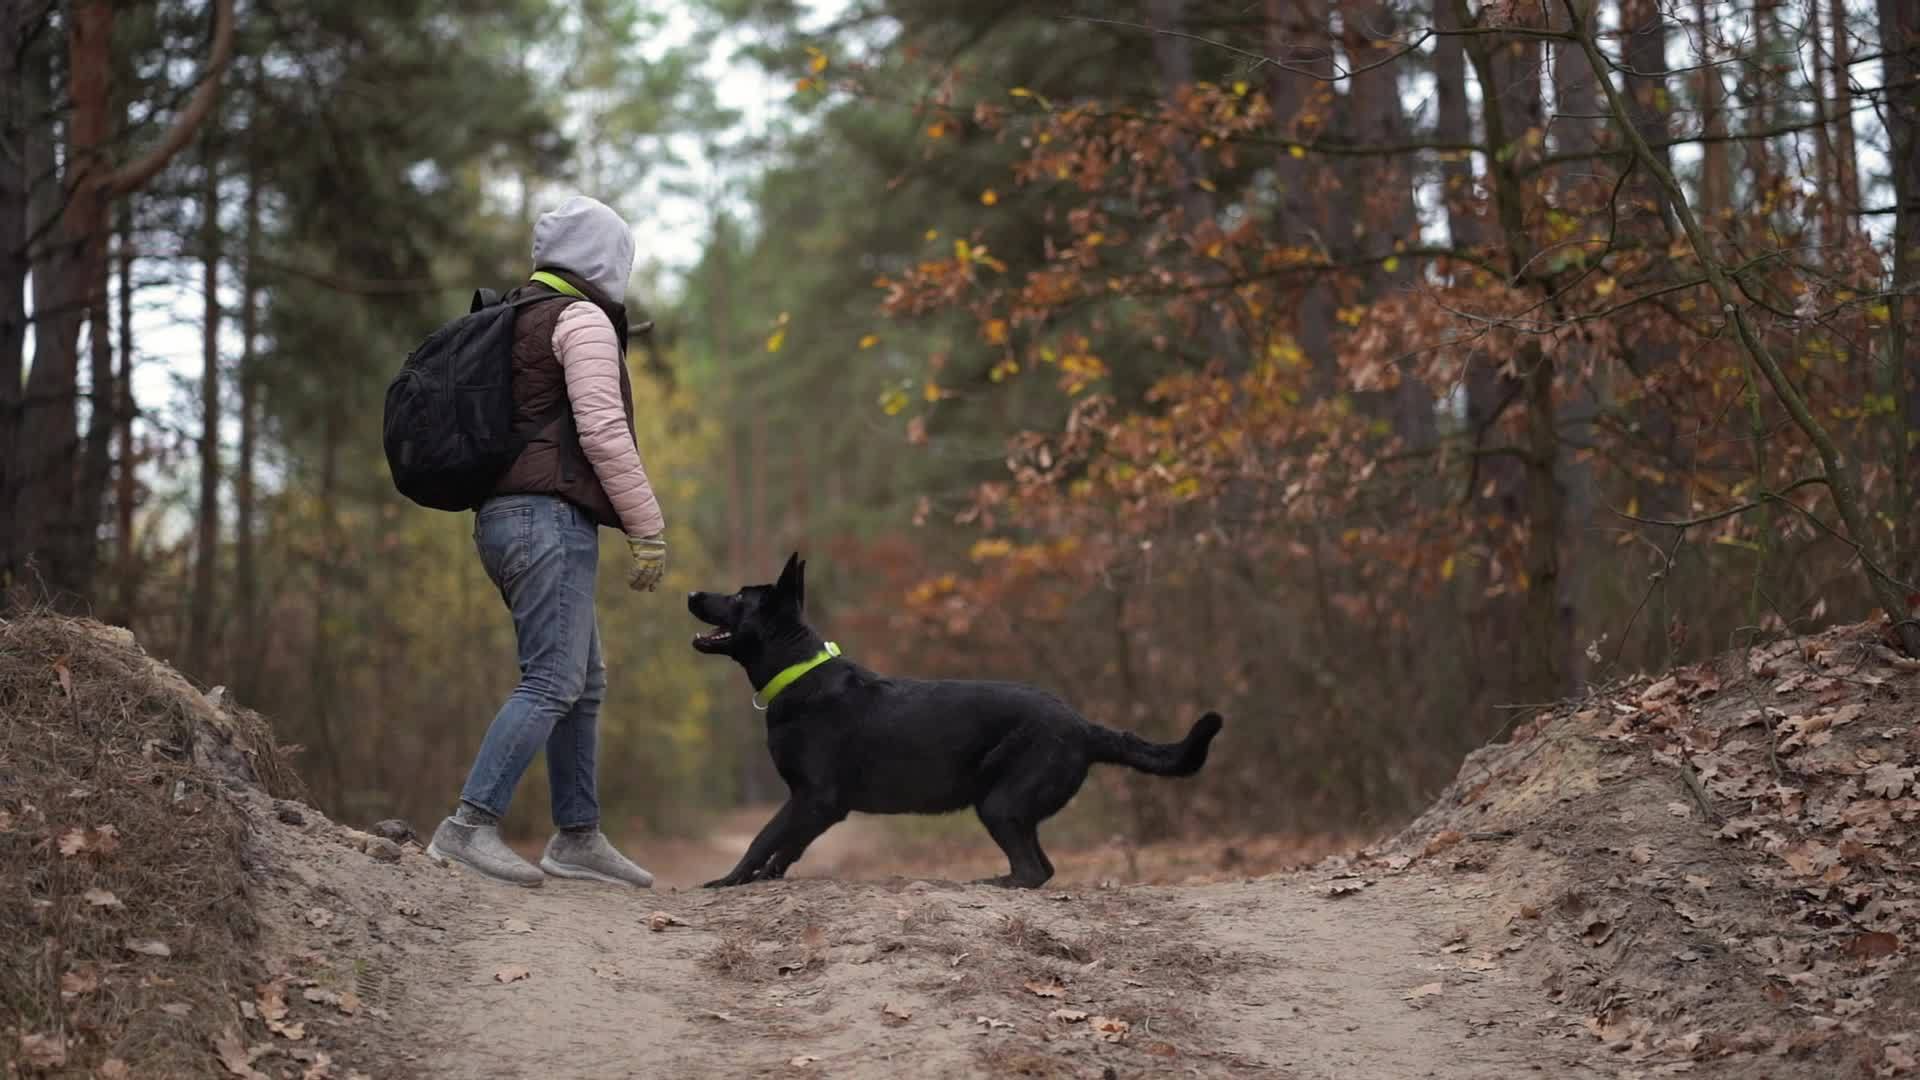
(991, 1023)
(1679, 809)
(73, 842)
(802, 1061)
(1872, 945)
(1342, 888)
(1885, 780)
(81, 981)
(100, 898)
(319, 918)
(605, 971)
(1640, 853)
(1070, 1016)
(293, 1032)
(320, 996)
(1428, 990)
(1443, 840)
(1047, 989)
(511, 974)
(148, 947)
(660, 920)
(113, 1069)
(1900, 1060)
(321, 1069)
(105, 840)
(177, 1008)
(407, 908)
(350, 1003)
(63, 675)
(44, 1051)
(897, 1012)
(237, 1059)
(516, 926)
(1597, 933)
(1109, 1028)
(1160, 1049)
(273, 999)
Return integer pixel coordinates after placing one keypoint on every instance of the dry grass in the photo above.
(732, 956)
(116, 831)
(1028, 936)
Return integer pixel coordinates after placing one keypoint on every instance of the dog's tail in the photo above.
(1183, 758)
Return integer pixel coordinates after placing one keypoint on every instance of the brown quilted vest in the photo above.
(553, 463)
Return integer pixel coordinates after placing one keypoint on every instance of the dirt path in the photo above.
(1271, 978)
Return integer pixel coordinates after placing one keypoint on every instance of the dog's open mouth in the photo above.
(712, 639)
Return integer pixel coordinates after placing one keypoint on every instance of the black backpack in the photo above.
(448, 428)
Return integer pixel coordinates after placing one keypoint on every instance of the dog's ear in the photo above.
(792, 585)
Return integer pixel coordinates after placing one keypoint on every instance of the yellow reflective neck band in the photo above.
(557, 284)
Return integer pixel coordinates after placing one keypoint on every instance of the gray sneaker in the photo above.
(591, 855)
(480, 847)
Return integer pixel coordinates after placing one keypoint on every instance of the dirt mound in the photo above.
(129, 924)
(1713, 870)
(143, 829)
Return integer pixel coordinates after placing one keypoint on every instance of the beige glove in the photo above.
(649, 562)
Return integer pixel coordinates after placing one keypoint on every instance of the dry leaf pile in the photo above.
(1719, 862)
(122, 849)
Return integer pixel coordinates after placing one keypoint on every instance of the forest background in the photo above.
(1368, 371)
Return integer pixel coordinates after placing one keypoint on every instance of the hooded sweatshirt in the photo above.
(585, 240)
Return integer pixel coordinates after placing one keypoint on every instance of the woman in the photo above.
(538, 539)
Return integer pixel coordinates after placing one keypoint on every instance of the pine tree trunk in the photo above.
(15, 123)
(1846, 147)
(1511, 102)
(207, 535)
(1900, 42)
(125, 411)
(1716, 172)
(1297, 32)
(246, 573)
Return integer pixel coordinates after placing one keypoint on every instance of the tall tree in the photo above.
(206, 553)
(56, 517)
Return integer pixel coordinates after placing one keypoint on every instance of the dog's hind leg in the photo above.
(1020, 840)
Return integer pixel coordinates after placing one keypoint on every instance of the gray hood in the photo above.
(586, 237)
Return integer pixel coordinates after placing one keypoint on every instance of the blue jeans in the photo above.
(544, 553)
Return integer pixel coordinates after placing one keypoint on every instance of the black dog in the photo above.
(845, 738)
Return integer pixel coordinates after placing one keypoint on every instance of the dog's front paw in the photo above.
(722, 883)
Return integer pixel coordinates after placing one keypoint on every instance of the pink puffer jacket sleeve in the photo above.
(583, 339)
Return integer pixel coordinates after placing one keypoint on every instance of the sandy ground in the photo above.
(882, 978)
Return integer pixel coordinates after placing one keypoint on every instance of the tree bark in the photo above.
(15, 200)
(125, 411)
(1511, 106)
(1645, 53)
(207, 542)
(1297, 34)
(1716, 172)
(1846, 149)
(1379, 192)
(246, 573)
(1900, 44)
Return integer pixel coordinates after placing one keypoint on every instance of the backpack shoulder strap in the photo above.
(486, 298)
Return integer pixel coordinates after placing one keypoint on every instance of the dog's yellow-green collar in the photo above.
(789, 675)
